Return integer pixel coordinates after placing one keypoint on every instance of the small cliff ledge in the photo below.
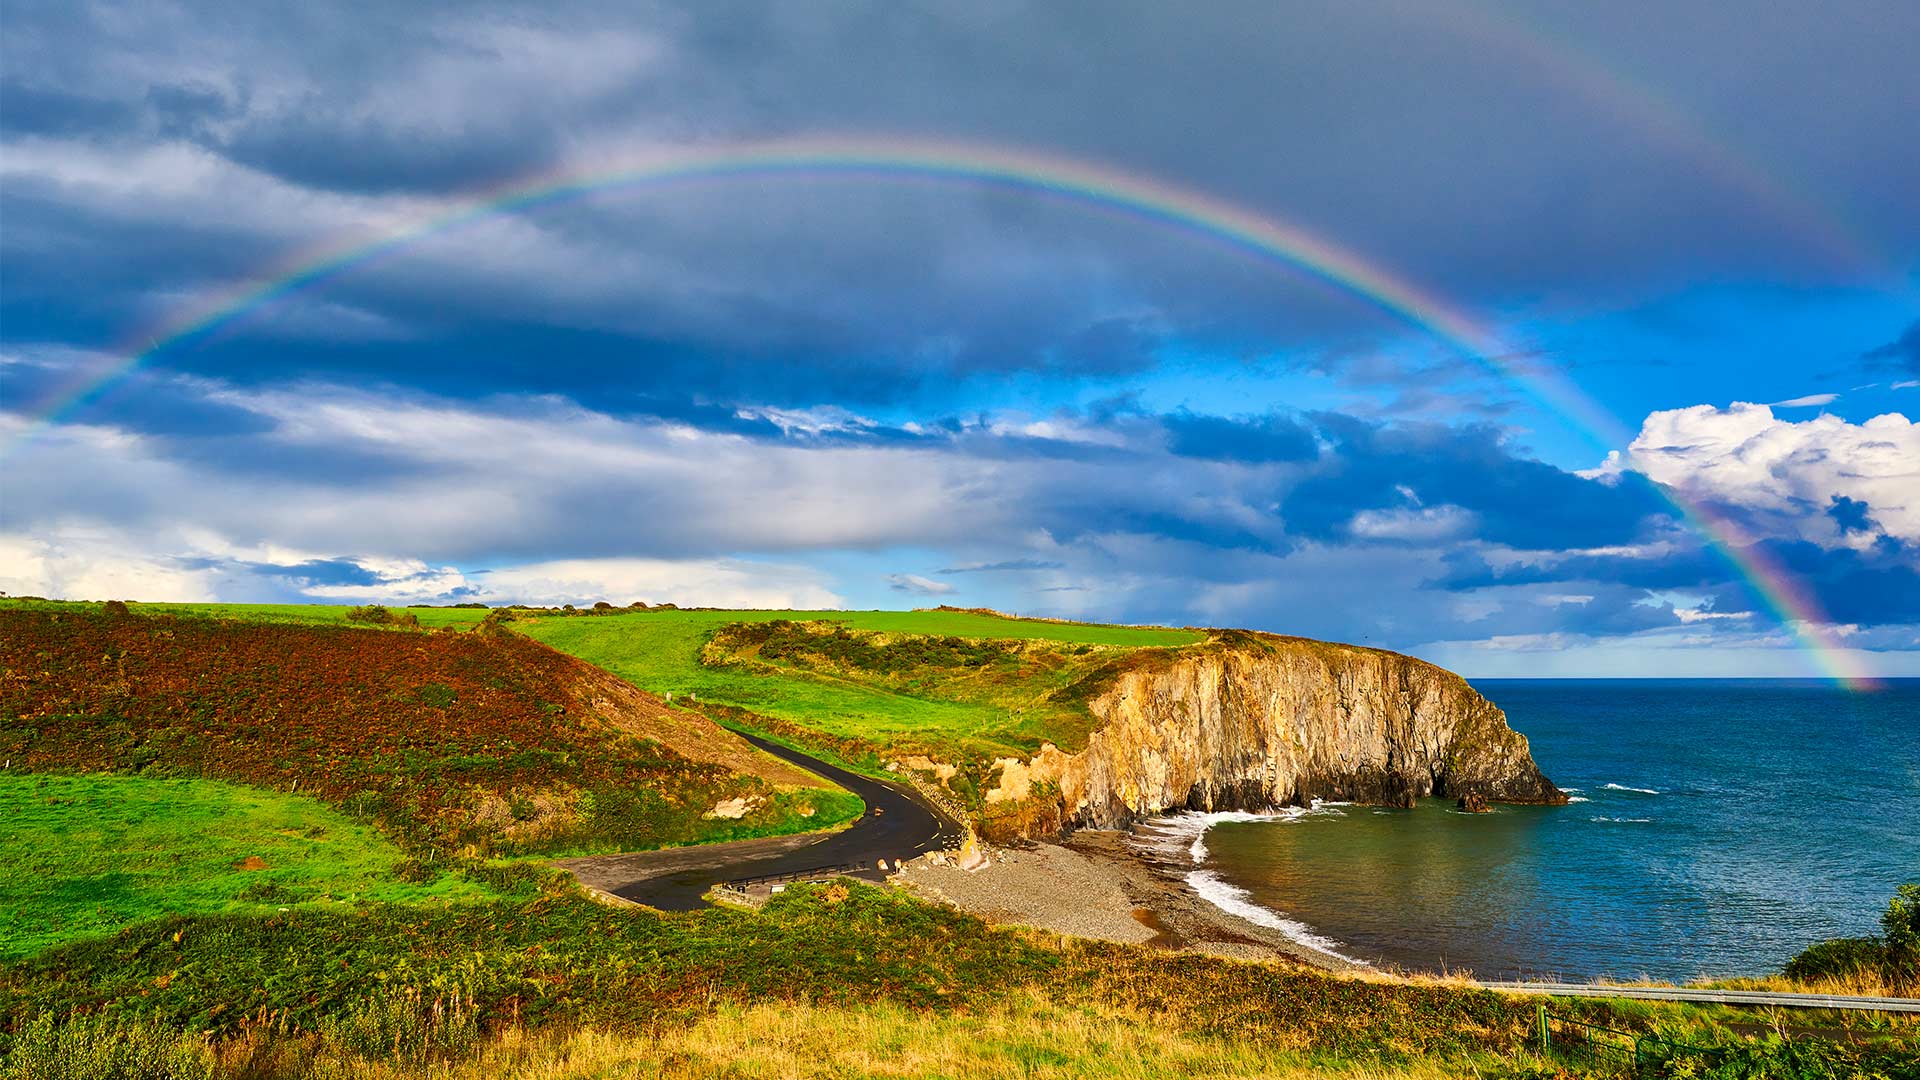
(1249, 721)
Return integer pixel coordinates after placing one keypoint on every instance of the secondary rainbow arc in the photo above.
(1133, 195)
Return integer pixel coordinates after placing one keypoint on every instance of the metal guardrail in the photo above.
(1714, 997)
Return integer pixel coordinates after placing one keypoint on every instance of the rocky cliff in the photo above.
(1249, 721)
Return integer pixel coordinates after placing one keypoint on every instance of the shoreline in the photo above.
(1096, 884)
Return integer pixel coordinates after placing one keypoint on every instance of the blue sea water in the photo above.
(1721, 826)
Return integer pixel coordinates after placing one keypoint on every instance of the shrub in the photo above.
(115, 607)
(1839, 958)
(378, 615)
(1893, 959)
(1901, 923)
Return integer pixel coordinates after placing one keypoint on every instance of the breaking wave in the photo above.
(1181, 838)
(1185, 834)
(1635, 790)
(1235, 900)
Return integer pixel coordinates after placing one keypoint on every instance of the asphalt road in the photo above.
(898, 824)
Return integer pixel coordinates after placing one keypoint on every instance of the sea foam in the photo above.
(1235, 900)
(1185, 833)
(1183, 837)
(1635, 790)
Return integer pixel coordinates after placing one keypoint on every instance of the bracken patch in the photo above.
(417, 732)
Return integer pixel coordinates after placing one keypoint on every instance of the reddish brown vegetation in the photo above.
(441, 738)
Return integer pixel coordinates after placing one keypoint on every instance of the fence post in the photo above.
(1546, 1038)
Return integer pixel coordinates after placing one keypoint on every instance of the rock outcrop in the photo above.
(1250, 721)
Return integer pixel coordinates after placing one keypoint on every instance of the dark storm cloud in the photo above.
(1392, 129)
(1007, 566)
(1251, 439)
(1876, 587)
(1691, 568)
(26, 109)
(1851, 515)
(1901, 354)
(1516, 501)
(364, 154)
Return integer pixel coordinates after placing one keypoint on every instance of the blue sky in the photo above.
(842, 391)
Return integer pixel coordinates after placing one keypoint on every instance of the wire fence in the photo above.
(1596, 1046)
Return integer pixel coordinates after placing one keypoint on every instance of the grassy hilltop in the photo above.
(955, 683)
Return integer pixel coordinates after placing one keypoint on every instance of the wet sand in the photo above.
(1095, 885)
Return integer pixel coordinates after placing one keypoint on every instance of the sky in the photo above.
(1545, 339)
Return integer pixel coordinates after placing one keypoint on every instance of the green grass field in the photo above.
(307, 614)
(90, 854)
(948, 715)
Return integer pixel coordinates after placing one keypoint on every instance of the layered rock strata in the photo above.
(1251, 721)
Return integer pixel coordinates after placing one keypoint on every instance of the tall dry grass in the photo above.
(1027, 1037)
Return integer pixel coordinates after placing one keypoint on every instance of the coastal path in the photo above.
(899, 824)
(1712, 997)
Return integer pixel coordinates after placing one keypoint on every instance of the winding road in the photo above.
(898, 824)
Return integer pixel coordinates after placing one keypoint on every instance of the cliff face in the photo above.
(1251, 721)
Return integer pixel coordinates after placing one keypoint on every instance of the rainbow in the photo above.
(1080, 182)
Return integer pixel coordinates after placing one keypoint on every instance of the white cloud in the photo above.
(1784, 475)
(733, 583)
(822, 420)
(101, 564)
(1694, 615)
(1807, 402)
(1426, 523)
(96, 568)
(1564, 599)
(917, 585)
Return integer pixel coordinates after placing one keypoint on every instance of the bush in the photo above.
(377, 615)
(1893, 959)
(1901, 923)
(1837, 959)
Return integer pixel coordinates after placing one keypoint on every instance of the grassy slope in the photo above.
(89, 854)
(558, 960)
(660, 651)
(443, 739)
(876, 976)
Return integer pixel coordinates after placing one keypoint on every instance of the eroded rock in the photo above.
(1251, 721)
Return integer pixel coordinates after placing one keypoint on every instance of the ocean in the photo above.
(1718, 827)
